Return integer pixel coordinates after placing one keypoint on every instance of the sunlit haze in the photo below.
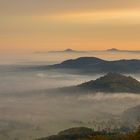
(43, 25)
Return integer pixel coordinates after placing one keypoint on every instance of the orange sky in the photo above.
(28, 26)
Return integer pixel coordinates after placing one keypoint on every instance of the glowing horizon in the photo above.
(28, 26)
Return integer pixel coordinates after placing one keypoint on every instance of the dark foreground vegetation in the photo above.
(83, 133)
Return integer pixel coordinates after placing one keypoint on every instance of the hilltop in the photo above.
(113, 50)
(83, 133)
(110, 83)
(69, 50)
(88, 65)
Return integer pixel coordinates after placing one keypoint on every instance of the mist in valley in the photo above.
(28, 111)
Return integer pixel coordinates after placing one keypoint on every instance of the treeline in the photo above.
(82, 133)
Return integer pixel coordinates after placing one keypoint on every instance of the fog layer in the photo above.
(28, 111)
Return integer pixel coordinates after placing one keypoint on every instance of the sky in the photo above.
(44, 25)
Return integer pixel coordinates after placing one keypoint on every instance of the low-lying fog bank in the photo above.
(30, 115)
(41, 115)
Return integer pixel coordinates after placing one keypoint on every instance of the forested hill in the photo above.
(110, 83)
(96, 65)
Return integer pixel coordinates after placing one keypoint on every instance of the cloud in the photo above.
(104, 97)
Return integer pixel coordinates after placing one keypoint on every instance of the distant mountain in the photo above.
(80, 62)
(96, 65)
(113, 50)
(67, 51)
(110, 83)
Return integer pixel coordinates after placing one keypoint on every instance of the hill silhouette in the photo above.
(110, 83)
(83, 133)
(69, 50)
(96, 65)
